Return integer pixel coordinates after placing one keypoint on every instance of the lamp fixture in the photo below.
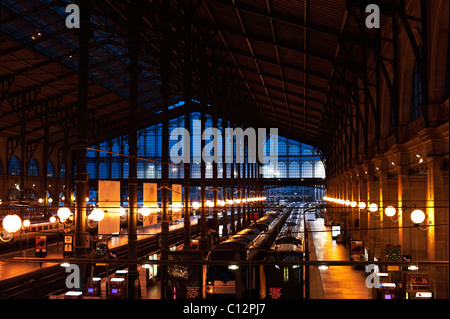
(418, 216)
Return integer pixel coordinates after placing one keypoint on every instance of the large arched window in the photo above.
(103, 169)
(281, 170)
(90, 168)
(293, 150)
(62, 171)
(294, 170)
(115, 168)
(319, 171)
(195, 170)
(125, 168)
(281, 148)
(33, 169)
(50, 169)
(307, 170)
(209, 170)
(140, 170)
(151, 170)
(14, 166)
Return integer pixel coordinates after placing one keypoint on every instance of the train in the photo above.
(283, 281)
(228, 279)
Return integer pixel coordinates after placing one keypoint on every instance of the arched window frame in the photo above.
(14, 167)
(50, 169)
(33, 168)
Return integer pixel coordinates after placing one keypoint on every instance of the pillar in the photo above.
(134, 70)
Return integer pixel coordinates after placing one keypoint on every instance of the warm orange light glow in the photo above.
(417, 216)
(195, 205)
(390, 211)
(12, 223)
(373, 207)
(64, 213)
(97, 214)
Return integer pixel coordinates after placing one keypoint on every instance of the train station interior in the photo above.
(223, 149)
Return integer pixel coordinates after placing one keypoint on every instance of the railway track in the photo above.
(48, 281)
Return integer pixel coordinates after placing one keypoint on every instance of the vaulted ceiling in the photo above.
(272, 63)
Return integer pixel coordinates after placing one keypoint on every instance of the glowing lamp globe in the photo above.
(12, 223)
(176, 208)
(373, 207)
(97, 214)
(417, 216)
(195, 205)
(221, 203)
(53, 219)
(26, 223)
(209, 203)
(145, 211)
(353, 204)
(390, 211)
(362, 205)
(64, 213)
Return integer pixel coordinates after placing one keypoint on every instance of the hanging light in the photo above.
(417, 216)
(209, 203)
(97, 214)
(64, 213)
(122, 211)
(221, 203)
(390, 211)
(12, 223)
(353, 204)
(26, 223)
(195, 205)
(145, 211)
(362, 205)
(373, 207)
(176, 207)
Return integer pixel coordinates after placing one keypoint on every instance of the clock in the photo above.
(101, 249)
(394, 253)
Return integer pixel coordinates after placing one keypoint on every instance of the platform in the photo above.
(336, 282)
(14, 269)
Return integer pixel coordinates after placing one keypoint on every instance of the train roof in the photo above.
(290, 238)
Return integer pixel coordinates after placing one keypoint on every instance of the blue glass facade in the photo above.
(295, 160)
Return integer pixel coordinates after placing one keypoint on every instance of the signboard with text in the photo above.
(41, 246)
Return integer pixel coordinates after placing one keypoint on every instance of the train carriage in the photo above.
(223, 279)
(285, 281)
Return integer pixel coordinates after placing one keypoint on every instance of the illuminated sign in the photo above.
(424, 294)
(335, 231)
